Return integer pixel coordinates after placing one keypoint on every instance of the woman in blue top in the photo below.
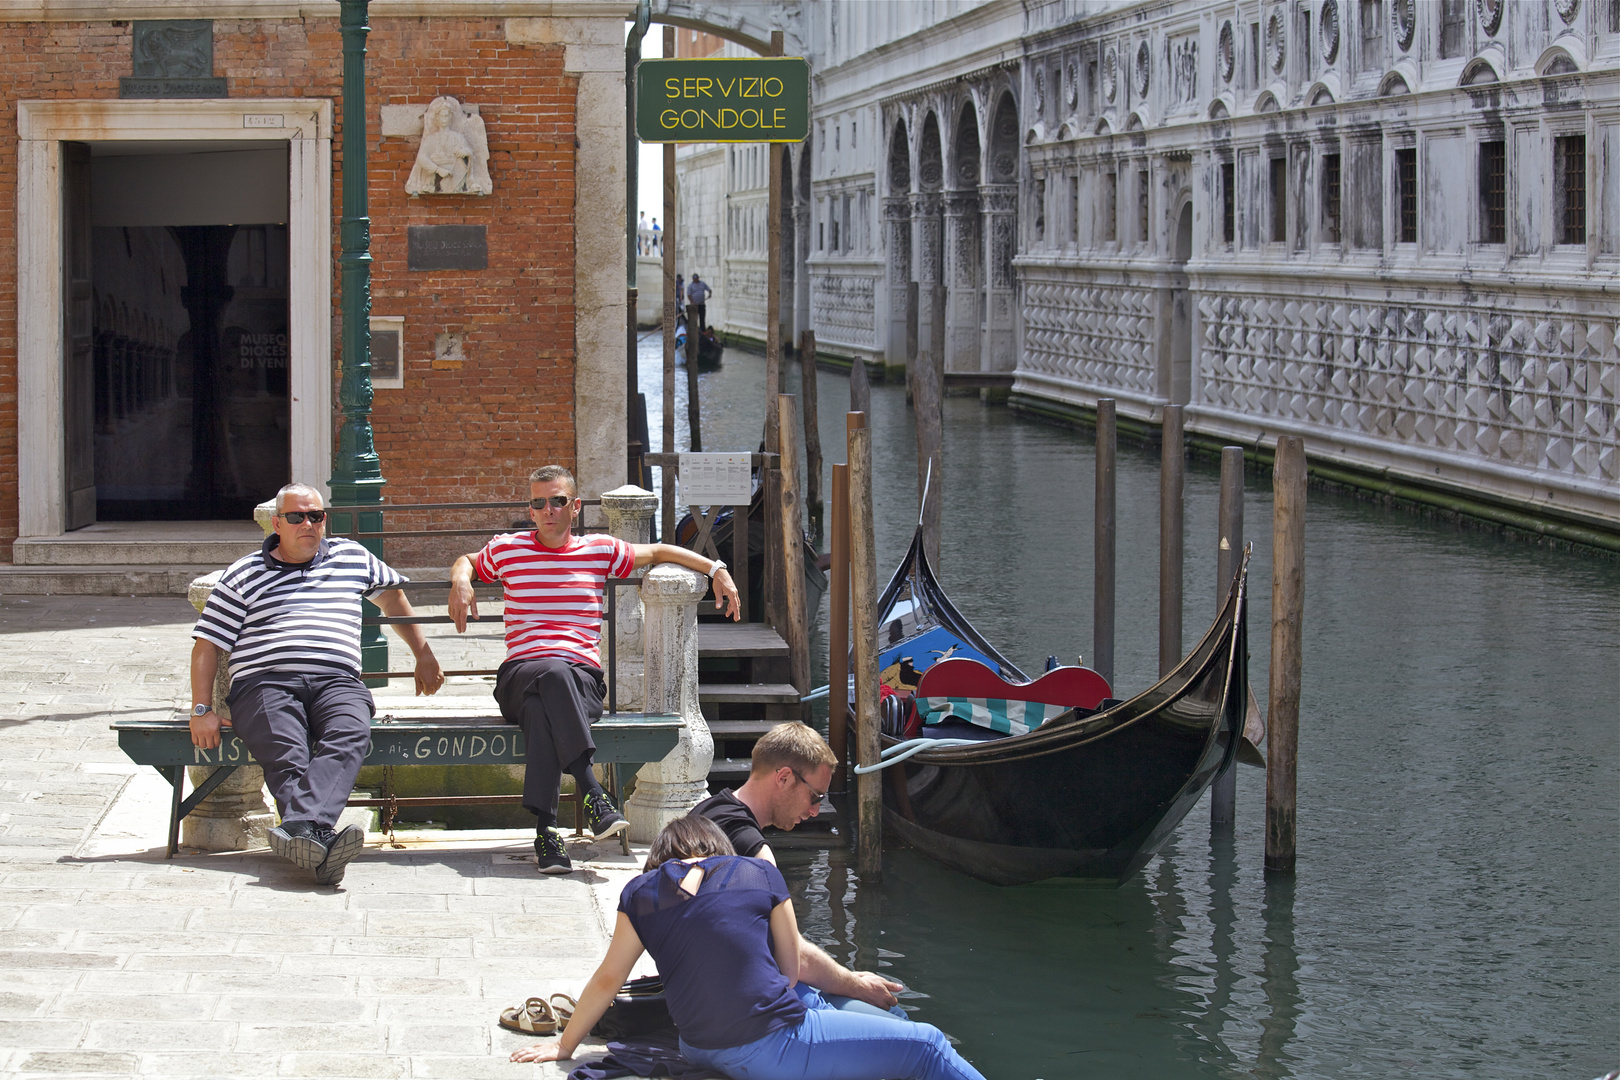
(722, 931)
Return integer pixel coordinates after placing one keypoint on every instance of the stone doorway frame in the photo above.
(305, 124)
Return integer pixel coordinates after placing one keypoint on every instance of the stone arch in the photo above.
(930, 159)
(1394, 85)
(1479, 72)
(965, 146)
(1218, 110)
(1557, 60)
(964, 244)
(1266, 102)
(1002, 166)
(899, 159)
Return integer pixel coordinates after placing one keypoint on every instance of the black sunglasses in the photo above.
(818, 794)
(296, 517)
(557, 501)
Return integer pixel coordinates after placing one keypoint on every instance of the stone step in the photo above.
(749, 693)
(214, 544)
(149, 580)
(739, 639)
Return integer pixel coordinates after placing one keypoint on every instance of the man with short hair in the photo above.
(289, 616)
(697, 302)
(551, 684)
(789, 774)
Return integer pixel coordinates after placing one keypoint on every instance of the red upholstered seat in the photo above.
(1069, 687)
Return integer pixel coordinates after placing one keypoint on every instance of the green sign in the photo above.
(740, 99)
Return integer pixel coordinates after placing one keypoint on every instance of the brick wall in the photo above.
(455, 432)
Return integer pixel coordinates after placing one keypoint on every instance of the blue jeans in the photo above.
(833, 1044)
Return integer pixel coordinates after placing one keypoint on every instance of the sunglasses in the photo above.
(818, 794)
(556, 502)
(296, 517)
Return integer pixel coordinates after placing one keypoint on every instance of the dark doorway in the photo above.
(190, 260)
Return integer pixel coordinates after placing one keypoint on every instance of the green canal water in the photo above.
(1456, 909)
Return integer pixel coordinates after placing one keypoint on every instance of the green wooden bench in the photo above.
(403, 736)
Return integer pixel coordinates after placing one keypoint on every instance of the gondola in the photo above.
(815, 578)
(1091, 793)
(709, 350)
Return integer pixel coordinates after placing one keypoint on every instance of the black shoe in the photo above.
(341, 846)
(296, 841)
(603, 819)
(552, 855)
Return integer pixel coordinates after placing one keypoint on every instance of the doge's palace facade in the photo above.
(1390, 226)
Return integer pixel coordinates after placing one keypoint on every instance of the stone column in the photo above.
(902, 313)
(667, 789)
(962, 279)
(234, 816)
(629, 512)
(999, 206)
(928, 269)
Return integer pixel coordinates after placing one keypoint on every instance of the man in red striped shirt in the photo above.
(551, 684)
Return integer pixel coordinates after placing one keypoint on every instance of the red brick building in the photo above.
(169, 292)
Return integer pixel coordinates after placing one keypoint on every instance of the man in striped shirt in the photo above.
(289, 616)
(551, 683)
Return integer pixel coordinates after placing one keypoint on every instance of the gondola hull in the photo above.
(1089, 796)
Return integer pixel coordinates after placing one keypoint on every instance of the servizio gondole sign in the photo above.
(739, 99)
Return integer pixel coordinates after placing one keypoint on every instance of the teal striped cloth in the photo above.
(1008, 717)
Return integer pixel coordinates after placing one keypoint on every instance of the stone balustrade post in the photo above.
(629, 512)
(668, 789)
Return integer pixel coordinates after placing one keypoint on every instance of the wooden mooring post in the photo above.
(860, 388)
(927, 400)
(812, 432)
(838, 628)
(694, 426)
(795, 628)
(666, 530)
(1228, 557)
(1287, 621)
(773, 276)
(863, 599)
(1172, 480)
(1102, 594)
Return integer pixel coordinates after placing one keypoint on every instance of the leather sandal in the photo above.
(563, 1006)
(533, 1017)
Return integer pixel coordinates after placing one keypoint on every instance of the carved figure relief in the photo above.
(1330, 30)
(174, 49)
(1226, 52)
(1184, 70)
(453, 156)
(1567, 9)
(1403, 20)
(1490, 15)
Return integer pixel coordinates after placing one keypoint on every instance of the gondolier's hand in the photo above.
(725, 594)
(205, 730)
(429, 677)
(874, 989)
(463, 604)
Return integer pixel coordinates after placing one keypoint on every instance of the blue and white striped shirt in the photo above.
(275, 616)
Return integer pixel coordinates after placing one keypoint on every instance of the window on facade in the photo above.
(1332, 197)
(834, 235)
(849, 237)
(1614, 16)
(1305, 42)
(1038, 198)
(1279, 200)
(1453, 27)
(1406, 195)
(1372, 35)
(1142, 191)
(1110, 206)
(1074, 209)
(838, 135)
(821, 236)
(1091, 81)
(852, 124)
(1493, 192)
(1228, 202)
(1569, 179)
(1254, 54)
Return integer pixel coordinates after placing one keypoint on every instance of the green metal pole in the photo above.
(357, 478)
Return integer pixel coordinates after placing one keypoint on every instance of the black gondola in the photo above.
(1089, 794)
(815, 578)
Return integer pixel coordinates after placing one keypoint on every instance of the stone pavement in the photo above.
(116, 961)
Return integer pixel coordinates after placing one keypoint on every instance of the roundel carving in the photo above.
(1403, 20)
(1226, 52)
(1330, 30)
(1144, 68)
(1040, 91)
(1276, 47)
(1110, 74)
(1071, 89)
(1567, 9)
(1490, 15)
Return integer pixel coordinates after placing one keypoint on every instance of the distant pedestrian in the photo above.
(641, 234)
(289, 616)
(680, 294)
(697, 297)
(657, 238)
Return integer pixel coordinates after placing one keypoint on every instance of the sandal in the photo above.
(534, 1017)
(563, 1009)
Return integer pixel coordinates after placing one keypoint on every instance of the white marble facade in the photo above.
(1390, 226)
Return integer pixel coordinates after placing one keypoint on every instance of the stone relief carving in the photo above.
(453, 156)
(1184, 70)
(843, 308)
(1567, 9)
(1330, 30)
(1110, 74)
(1403, 21)
(1098, 335)
(1490, 15)
(1144, 68)
(1276, 47)
(174, 49)
(1071, 86)
(1226, 52)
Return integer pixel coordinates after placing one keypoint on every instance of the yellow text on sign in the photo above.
(722, 119)
(745, 86)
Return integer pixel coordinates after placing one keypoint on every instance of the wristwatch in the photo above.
(201, 710)
(716, 568)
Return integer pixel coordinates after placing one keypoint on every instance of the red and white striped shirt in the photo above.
(554, 596)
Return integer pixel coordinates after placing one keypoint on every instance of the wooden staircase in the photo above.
(744, 690)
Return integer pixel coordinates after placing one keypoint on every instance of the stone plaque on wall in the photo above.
(173, 58)
(447, 247)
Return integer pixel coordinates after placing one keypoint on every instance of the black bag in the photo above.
(639, 1009)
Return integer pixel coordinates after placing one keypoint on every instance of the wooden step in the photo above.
(749, 693)
(739, 639)
(728, 772)
(739, 729)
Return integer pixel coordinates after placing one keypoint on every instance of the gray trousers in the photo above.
(554, 701)
(309, 732)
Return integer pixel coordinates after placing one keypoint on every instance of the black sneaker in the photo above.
(603, 819)
(296, 841)
(552, 855)
(341, 846)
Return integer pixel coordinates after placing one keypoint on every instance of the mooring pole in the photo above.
(1172, 474)
(693, 424)
(773, 278)
(1229, 556)
(795, 615)
(812, 432)
(860, 388)
(357, 478)
(863, 598)
(1287, 621)
(927, 394)
(634, 448)
(838, 626)
(667, 238)
(1102, 612)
